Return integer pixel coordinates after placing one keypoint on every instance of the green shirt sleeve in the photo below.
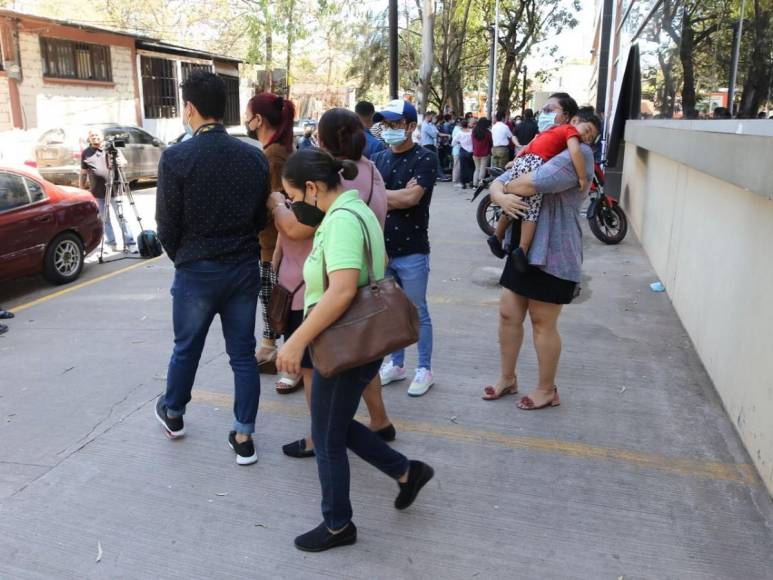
(343, 243)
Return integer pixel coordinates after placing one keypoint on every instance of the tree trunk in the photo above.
(290, 40)
(269, 61)
(758, 77)
(505, 84)
(427, 54)
(667, 104)
(686, 55)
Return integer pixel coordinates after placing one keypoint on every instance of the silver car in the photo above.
(58, 152)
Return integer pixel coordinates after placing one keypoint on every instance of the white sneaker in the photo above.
(422, 382)
(390, 373)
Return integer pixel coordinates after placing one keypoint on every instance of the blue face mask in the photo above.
(187, 126)
(546, 121)
(393, 137)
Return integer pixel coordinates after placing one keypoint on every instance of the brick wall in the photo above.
(56, 104)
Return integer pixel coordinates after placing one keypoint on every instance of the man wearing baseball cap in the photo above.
(409, 173)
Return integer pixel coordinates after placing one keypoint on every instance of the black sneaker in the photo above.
(245, 452)
(320, 539)
(3, 329)
(520, 262)
(496, 247)
(297, 449)
(419, 475)
(173, 426)
(388, 433)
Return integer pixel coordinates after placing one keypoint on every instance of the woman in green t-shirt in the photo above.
(312, 178)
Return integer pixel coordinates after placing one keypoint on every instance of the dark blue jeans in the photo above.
(334, 402)
(200, 291)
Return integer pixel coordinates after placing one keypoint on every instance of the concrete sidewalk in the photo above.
(639, 473)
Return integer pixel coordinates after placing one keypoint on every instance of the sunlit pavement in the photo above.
(638, 474)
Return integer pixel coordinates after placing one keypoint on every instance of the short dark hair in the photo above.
(500, 116)
(341, 134)
(588, 115)
(528, 114)
(568, 104)
(205, 91)
(365, 109)
(312, 164)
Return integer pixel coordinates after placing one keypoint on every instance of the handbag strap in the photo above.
(372, 182)
(366, 247)
(298, 287)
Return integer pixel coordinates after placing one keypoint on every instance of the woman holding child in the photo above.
(554, 255)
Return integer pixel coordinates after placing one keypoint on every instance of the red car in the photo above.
(45, 227)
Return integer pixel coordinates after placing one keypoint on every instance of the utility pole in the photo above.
(523, 99)
(492, 65)
(393, 49)
(737, 35)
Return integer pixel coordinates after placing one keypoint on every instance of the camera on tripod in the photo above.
(111, 145)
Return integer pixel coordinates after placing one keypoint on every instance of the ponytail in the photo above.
(277, 112)
(313, 164)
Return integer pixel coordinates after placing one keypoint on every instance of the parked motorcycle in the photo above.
(606, 218)
(488, 213)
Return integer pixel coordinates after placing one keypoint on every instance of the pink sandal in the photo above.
(527, 404)
(490, 392)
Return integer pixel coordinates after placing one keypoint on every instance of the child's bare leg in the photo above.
(527, 235)
(501, 227)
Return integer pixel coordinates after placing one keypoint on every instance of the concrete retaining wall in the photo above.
(710, 240)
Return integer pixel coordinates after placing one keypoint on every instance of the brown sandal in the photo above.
(490, 392)
(266, 360)
(527, 404)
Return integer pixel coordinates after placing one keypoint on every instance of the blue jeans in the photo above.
(200, 291)
(412, 273)
(334, 402)
(109, 233)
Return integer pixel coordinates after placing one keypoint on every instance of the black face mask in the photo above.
(307, 214)
(252, 134)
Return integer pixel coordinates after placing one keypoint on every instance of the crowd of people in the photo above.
(302, 231)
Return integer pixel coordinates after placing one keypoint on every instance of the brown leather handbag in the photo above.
(280, 304)
(381, 319)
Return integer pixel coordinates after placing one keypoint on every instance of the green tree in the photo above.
(523, 24)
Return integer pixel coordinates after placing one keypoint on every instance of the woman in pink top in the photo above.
(342, 135)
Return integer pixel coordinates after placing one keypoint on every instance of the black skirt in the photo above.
(294, 323)
(536, 284)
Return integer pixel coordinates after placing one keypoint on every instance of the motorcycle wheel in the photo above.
(609, 223)
(488, 215)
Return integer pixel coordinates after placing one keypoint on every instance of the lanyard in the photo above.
(206, 128)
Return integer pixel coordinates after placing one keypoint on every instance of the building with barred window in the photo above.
(57, 73)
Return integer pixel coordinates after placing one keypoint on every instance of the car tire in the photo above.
(64, 258)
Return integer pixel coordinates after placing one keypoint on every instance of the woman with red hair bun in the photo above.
(269, 119)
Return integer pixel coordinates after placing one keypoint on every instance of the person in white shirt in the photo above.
(463, 138)
(502, 137)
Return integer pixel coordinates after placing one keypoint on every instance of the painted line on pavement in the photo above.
(85, 284)
(734, 472)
